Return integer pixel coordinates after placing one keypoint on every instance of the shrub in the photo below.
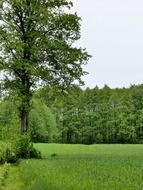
(7, 153)
(24, 148)
(21, 148)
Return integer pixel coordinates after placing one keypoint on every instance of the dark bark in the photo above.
(69, 136)
(25, 104)
(24, 120)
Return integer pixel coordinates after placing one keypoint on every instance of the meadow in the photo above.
(79, 167)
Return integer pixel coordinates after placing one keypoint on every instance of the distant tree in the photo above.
(36, 48)
(42, 123)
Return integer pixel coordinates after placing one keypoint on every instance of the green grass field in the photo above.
(80, 167)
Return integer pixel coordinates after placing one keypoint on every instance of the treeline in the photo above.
(81, 116)
(97, 115)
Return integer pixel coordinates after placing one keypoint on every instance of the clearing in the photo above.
(79, 167)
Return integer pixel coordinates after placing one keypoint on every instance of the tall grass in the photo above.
(3, 174)
(82, 167)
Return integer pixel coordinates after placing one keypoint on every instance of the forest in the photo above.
(79, 116)
(56, 133)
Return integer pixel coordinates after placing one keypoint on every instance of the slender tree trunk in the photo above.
(24, 112)
(24, 119)
(69, 136)
(25, 103)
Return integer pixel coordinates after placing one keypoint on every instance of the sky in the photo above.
(112, 32)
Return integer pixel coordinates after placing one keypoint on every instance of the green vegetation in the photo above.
(40, 103)
(80, 116)
(97, 115)
(37, 48)
(3, 175)
(42, 122)
(85, 167)
(10, 152)
(7, 153)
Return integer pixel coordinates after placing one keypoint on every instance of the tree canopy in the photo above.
(36, 48)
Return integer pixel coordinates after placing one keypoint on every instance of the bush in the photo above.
(21, 148)
(7, 153)
(24, 148)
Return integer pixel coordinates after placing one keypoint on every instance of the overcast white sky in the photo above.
(112, 32)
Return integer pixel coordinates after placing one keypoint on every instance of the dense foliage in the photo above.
(42, 123)
(20, 147)
(80, 116)
(37, 47)
(97, 115)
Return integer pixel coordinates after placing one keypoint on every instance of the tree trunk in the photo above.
(25, 103)
(24, 119)
(69, 136)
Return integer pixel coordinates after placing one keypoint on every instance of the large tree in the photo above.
(36, 48)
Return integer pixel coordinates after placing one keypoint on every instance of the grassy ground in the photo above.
(80, 167)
